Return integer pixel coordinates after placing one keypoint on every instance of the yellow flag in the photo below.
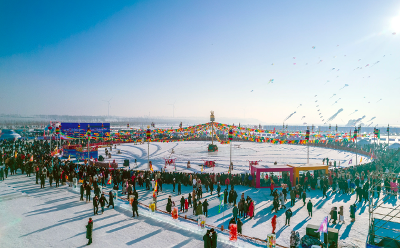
(69, 157)
(361, 160)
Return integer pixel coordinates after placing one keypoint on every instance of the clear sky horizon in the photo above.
(323, 57)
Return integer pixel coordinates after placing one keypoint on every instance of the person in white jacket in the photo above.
(282, 199)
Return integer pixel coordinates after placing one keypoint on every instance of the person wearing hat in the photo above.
(89, 230)
(173, 185)
(207, 239)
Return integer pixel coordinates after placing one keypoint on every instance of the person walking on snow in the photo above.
(89, 230)
(182, 204)
(309, 208)
(103, 202)
(95, 205)
(273, 223)
(304, 196)
(82, 191)
(205, 208)
(292, 198)
(282, 199)
(235, 212)
(110, 200)
(288, 215)
(251, 209)
(207, 239)
(135, 207)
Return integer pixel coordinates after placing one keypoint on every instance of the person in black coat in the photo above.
(42, 181)
(135, 207)
(219, 188)
(103, 202)
(304, 196)
(205, 208)
(225, 196)
(194, 205)
(110, 200)
(95, 205)
(82, 191)
(190, 200)
(288, 215)
(207, 239)
(182, 204)
(275, 205)
(88, 189)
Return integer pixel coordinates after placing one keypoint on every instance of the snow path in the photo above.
(54, 217)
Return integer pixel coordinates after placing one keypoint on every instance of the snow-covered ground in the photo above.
(196, 152)
(50, 217)
(54, 217)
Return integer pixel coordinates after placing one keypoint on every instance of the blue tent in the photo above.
(9, 134)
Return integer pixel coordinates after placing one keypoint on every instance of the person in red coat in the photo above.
(227, 181)
(273, 222)
(272, 187)
(251, 209)
(186, 205)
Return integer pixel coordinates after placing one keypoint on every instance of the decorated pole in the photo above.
(355, 137)
(58, 134)
(388, 135)
(230, 148)
(212, 147)
(88, 133)
(308, 145)
(148, 136)
(212, 119)
(49, 128)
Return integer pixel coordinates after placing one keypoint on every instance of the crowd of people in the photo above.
(34, 157)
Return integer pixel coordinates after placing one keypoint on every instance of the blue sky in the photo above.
(66, 57)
